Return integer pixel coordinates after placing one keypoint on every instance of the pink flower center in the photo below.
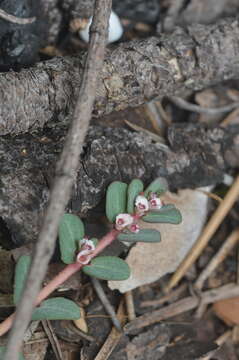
(83, 258)
(134, 228)
(120, 222)
(141, 206)
(153, 202)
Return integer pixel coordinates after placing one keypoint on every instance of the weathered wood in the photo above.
(195, 157)
(133, 72)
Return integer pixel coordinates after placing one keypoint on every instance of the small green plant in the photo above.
(125, 206)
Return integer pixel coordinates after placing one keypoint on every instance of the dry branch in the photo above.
(172, 65)
(65, 176)
(186, 304)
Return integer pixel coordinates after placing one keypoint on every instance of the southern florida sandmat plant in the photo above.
(125, 205)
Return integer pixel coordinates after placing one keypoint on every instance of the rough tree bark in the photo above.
(195, 157)
(133, 72)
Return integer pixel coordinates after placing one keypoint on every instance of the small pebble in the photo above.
(115, 29)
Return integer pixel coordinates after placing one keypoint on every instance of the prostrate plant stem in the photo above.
(68, 271)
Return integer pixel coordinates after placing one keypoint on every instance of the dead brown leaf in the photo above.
(228, 310)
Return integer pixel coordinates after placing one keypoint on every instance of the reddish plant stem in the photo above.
(68, 271)
(105, 241)
(59, 279)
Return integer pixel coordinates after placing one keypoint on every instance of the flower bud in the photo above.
(134, 228)
(155, 203)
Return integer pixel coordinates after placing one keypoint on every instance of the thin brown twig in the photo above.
(105, 302)
(46, 324)
(114, 336)
(65, 175)
(154, 137)
(16, 20)
(202, 110)
(218, 258)
(129, 302)
(181, 306)
(211, 227)
(170, 297)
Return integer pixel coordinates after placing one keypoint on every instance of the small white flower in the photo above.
(87, 244)
(142, 204)
(155, 203)
(123, 220)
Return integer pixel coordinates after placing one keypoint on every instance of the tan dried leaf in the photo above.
(81, 322)
(228, 310)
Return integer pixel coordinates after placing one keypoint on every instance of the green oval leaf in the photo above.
(71, 230)
(116, 199)
(21, 271)
(57, 309)
(135, 187)
(144, 235)
(2, 352)
(167, 214)
(158, 186)
(108, 268)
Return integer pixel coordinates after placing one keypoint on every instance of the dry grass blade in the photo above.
(65, 175)
(218, 258)
(207, 233)
(211, 195)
